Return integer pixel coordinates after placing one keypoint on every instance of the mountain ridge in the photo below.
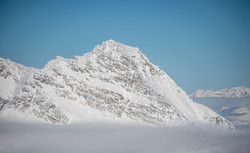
(235, 92)
(115, 80)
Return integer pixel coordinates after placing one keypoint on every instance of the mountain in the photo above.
(236, 110)
(235, 92)
(113, 81)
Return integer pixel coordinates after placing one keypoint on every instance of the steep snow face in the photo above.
(114, 80)
(235, 92)
(21, 90)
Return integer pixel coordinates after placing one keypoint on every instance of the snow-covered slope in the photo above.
(113, 81)
(235, 92)
(236, 110)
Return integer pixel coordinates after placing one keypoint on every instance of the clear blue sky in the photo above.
(200, 44)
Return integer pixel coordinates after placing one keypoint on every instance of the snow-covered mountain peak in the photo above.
(113, 80)
(110, 43)
(113, 47)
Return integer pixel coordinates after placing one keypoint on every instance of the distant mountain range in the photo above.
(233, 104)
(235, 92)
(113, 81)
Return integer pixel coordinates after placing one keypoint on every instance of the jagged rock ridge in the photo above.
(114, 79)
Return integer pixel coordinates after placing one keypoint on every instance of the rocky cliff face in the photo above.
(114, 80)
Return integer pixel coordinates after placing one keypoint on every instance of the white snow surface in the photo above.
(235, 92)
(112, 82)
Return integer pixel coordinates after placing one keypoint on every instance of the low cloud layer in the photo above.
(119, 138)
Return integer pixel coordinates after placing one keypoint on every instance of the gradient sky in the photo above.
(200, 44)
